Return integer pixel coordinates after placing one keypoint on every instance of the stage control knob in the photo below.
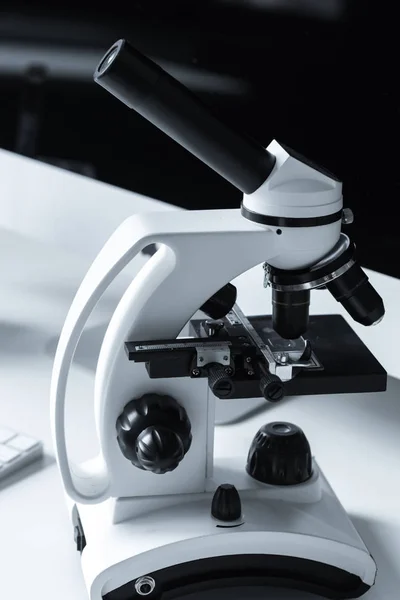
(154, 433)
(226, 504)
(272, 387)
(280, 454)
(221, 384)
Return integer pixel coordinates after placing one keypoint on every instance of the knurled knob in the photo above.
(220, 383)
(154, 433)
(272, 387)
(226, 504)
(280, 454)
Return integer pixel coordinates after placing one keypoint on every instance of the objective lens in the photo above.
(355, 293)
(290, 313)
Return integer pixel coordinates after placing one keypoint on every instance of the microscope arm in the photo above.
(205, 250)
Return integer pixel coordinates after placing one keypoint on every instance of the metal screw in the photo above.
(201, 359)
(226, 357)
(229, 370)
(195, 372)
(282, 358)
(248, 359)
(347, 216)
(250, 372)
(144, 585)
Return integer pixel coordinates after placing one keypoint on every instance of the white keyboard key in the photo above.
(6, 434)
(17, 450)
(8, 454)
(22, 442)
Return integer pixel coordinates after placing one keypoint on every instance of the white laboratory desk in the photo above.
(356, 439)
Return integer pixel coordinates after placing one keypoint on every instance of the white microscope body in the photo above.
(148, 533)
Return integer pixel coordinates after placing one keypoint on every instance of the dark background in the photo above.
(318, 75)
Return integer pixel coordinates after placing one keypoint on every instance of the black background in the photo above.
(324, 84)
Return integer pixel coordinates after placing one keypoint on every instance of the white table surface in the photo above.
(356, 439)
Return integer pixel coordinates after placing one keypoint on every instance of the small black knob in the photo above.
(272, 387)
(226, 504)
(280, 454)
(154, 433)
(220, 383)
(212, 327)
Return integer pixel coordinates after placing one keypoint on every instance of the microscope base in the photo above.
(297, 537)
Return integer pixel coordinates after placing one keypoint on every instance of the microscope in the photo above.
(157, 512)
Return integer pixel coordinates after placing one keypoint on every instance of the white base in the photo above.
(131, 537)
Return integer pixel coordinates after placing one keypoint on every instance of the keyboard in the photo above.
(17, 450)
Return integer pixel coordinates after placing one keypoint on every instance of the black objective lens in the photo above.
(290, 313)
(355, 293)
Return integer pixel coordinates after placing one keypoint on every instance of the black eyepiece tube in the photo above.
(142, 85)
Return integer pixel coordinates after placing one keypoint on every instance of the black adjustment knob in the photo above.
(226, 504)
(212, 327)
(221, 303)
(154, 433)
(159, 449)
(272, 387)
(280, 454)
(220, 382)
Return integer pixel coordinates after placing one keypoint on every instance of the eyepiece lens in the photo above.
(108, 59)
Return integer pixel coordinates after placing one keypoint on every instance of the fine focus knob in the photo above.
(272, 387)
(226, 504)
(220, 383)
(280, 454)
(154, 433)
(159, 449)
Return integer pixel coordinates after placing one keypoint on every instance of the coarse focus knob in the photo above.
(272, 387)
(220, 383)
(154, 433)
(226, 504)
(221, 302)
(280, 454)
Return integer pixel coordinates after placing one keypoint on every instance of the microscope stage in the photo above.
(348, 365)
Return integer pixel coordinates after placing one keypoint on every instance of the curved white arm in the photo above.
(115, 255)
(90, 482)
